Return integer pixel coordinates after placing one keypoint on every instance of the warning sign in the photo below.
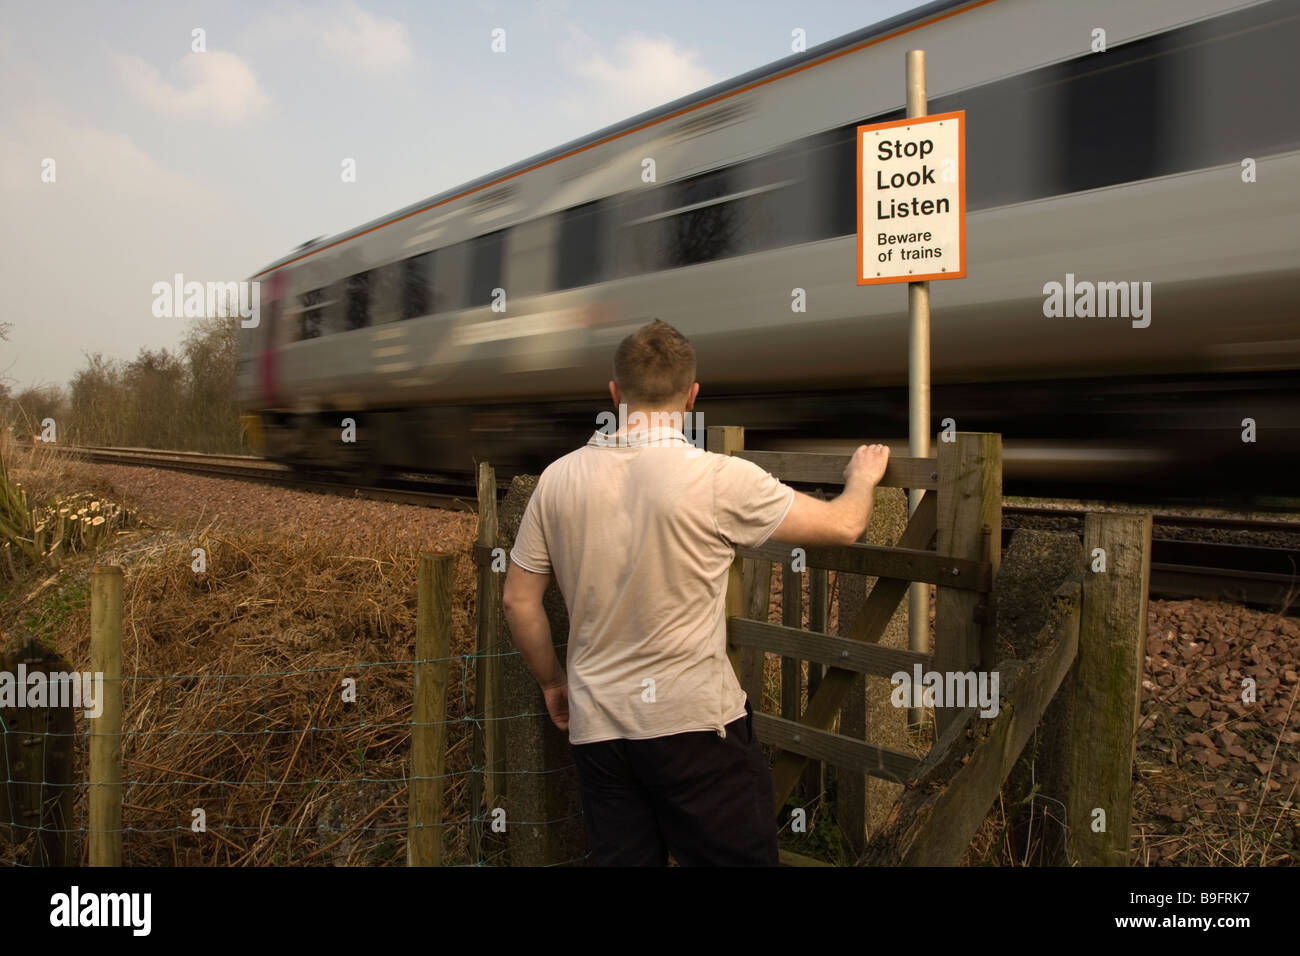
(912, 199)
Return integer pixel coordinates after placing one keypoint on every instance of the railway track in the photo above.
(1236, 570)
(426, 491)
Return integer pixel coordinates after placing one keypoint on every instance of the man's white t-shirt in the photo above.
(640, 535)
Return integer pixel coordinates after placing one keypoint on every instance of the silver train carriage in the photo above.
(1123, 165)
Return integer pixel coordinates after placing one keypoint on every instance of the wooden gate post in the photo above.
(970, 500)
(1107, 685)
(727, 440)
(429, 713)
(106, 730)
(544, 825)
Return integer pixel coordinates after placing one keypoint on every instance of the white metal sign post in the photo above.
(912, 228)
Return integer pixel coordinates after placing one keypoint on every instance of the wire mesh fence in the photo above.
(282, 767)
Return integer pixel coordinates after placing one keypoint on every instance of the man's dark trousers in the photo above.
(704, 798)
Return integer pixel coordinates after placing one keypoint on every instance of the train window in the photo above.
(832, 159)
(1233, 95)
(529, 253)
(385, 294)
(1014, 131)
(773, 207)
(357, 301)
(451, 273)
(756, 205)
(702, 224)
(417, 286)
(763, 203)
(484, 267)
(640, 237)
(314, 304)
(581, 256)
(832, 163)
(1209, 93)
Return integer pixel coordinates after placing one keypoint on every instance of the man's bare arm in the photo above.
(841, 520)
(522, 602)
(531, 631)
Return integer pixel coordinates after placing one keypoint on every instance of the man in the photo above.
(639, 530)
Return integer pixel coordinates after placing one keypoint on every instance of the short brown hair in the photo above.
(654, 365)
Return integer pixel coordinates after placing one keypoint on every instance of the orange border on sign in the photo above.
(960, 116)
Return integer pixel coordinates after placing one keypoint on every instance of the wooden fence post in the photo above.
(489, 747)
(106, 730)
(1107, 684)
(970, 499)
(429, 730)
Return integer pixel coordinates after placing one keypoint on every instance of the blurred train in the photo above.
(1171, 157)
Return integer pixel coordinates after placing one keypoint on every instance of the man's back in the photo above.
(639, 537)
(638, 533)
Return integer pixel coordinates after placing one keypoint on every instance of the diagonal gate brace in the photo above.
(868, 626)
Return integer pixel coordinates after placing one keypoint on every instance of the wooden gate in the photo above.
(953, 541)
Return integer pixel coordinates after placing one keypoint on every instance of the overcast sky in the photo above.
(213, 164)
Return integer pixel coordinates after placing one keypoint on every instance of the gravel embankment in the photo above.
(1167, 525)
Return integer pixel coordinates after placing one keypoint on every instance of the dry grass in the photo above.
(234, 696)
(235, 703)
